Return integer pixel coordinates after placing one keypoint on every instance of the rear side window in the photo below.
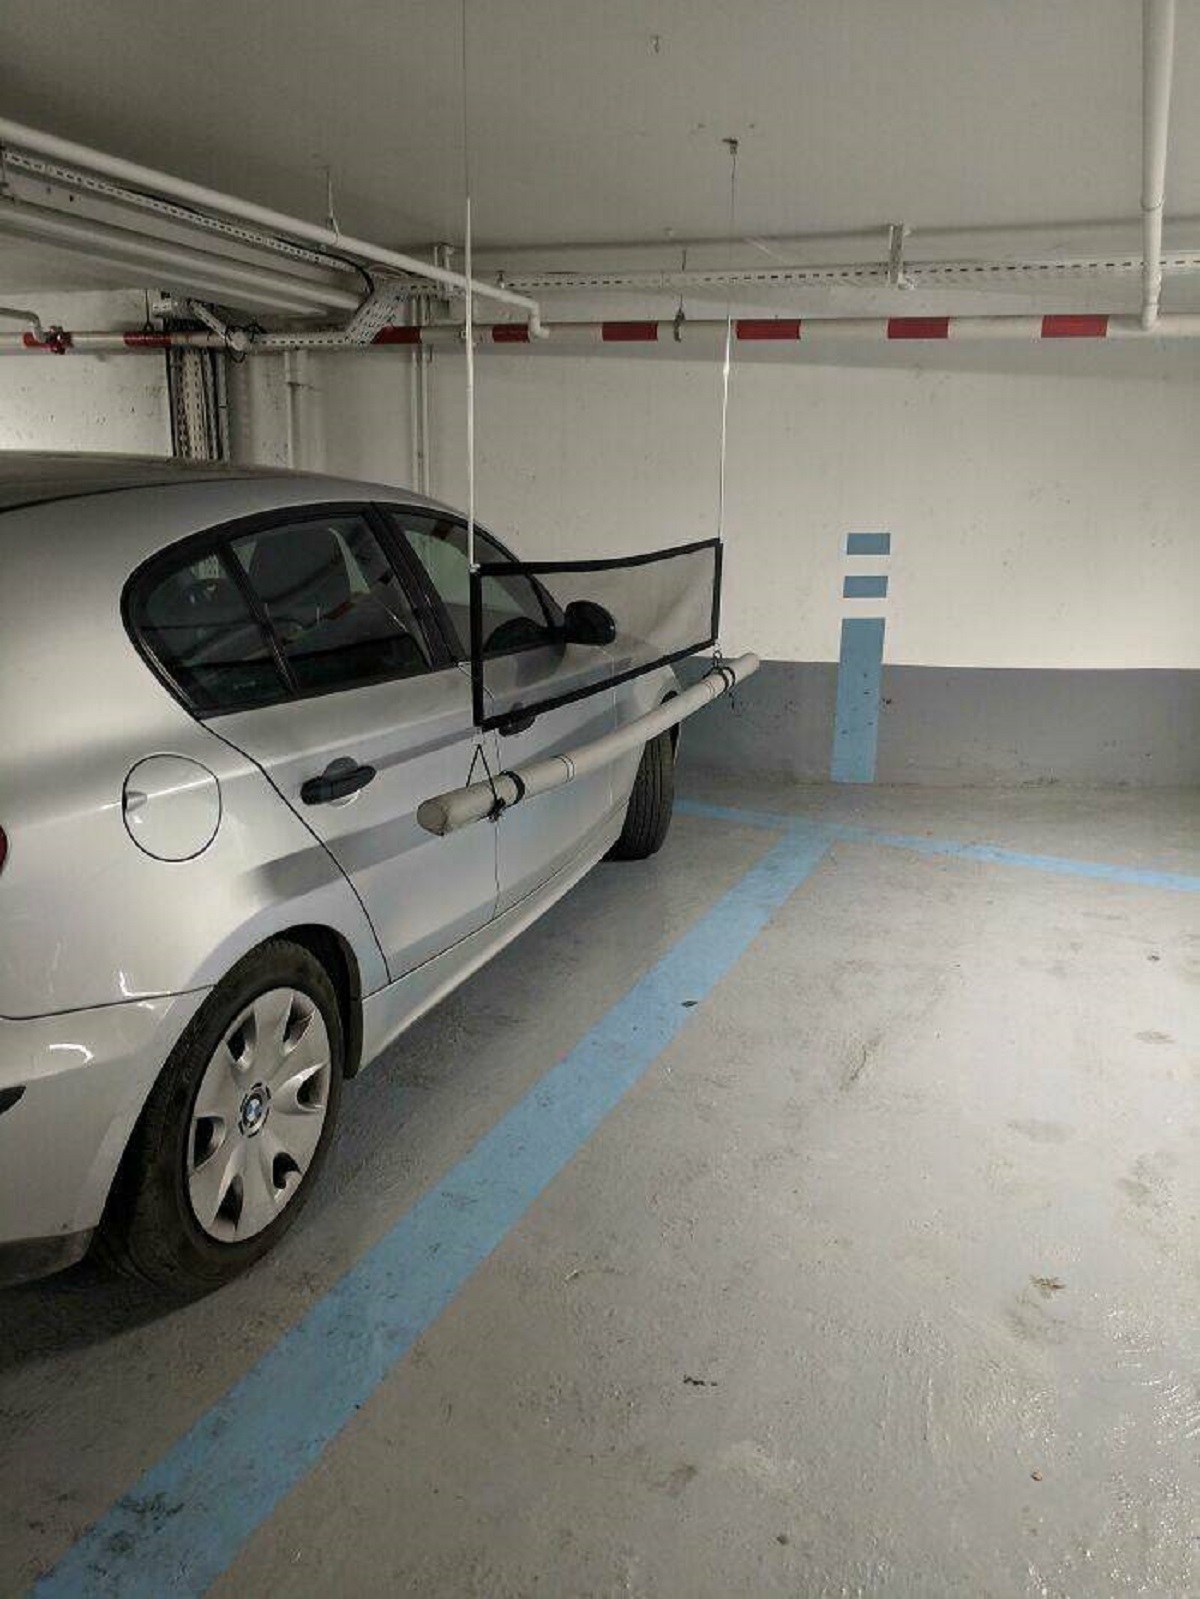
(203, 635)
(280, 611)
(515, 613)
(333, 602)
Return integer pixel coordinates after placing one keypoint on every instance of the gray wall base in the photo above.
(947, 725)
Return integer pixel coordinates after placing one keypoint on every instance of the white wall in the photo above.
(1037, 519)
(69, 402)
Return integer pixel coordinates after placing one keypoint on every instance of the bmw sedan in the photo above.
(225, 692)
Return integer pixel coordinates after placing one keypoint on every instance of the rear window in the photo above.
(281, 609)
(334, 603)
(204, 637)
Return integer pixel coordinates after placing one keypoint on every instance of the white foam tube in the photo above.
(1158, 48)
(446, 813)
(228, 205)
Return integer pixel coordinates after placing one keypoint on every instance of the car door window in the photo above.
(334, 603)
(198, 627)
(517, 613)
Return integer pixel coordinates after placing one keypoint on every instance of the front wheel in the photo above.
(235, 1130)
(648, 817)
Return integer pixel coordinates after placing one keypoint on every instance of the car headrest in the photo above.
(301, 575)
(192, 613)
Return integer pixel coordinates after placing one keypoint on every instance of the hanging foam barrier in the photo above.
(460, 807)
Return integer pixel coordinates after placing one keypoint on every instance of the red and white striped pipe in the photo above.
(516, 335)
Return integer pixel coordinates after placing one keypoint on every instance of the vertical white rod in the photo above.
(289, 394)
(414, 405)
(469, 329)
(1158, 47)
(470, 337)
(733, 153)
(426, 484)
(724, 422)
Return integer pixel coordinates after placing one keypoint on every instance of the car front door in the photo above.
(525, 661)
(377, 717)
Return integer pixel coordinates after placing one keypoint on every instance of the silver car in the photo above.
(224, 694)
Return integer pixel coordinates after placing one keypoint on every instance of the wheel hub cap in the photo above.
(257, 1117)
(256, 1107)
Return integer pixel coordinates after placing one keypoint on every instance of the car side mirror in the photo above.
(585, 622)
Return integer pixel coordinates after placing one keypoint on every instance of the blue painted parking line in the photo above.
(1137, 876)
(182, 1525)
(1141, 877)
(859, 686)
(770, 821)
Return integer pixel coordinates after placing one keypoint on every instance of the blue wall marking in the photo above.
(182, 1525)
(863, 586)
(868, 543)
(856, 719)
(1100, 871)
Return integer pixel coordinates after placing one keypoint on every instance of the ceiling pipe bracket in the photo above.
(897, 233)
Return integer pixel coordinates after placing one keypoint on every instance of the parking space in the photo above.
(877, 1268)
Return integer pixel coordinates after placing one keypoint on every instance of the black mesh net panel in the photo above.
(540, 630)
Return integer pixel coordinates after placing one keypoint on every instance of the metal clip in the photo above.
(897, 278)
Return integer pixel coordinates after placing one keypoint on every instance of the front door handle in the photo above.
(340, 779)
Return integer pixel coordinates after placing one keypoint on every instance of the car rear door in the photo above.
(376, 716)
(538, 840)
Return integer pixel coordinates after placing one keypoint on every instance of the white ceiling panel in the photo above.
(603, 119)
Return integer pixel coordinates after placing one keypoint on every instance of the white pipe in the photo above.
(35, 321)
(1158, 48)
(460, 807)
(592, 335)
(59, 342)
(426, 478)
(213, 274)
(414, 419)
(195, 194)
(291, 383)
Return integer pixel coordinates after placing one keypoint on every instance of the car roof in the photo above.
(34, 477)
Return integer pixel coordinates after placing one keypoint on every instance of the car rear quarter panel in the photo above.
(86, 917)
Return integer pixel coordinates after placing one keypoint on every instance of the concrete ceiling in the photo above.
(603, 119)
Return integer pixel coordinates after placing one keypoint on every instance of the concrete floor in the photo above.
(881, 1279)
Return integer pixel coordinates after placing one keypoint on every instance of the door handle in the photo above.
(339, 779)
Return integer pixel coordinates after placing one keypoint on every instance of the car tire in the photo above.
(271, 1033)
(648, 816)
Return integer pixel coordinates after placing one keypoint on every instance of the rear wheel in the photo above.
(648, 817)
(236, 1128)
